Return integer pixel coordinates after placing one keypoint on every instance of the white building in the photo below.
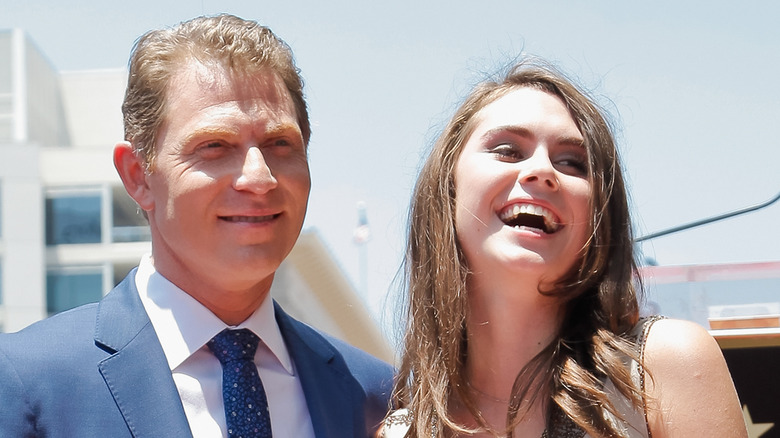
(68, 230)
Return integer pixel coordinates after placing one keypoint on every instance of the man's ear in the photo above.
(132, 170)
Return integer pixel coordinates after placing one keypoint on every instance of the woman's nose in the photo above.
(538, 169)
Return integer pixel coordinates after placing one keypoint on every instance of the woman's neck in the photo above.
(506, 330)
(508, 325)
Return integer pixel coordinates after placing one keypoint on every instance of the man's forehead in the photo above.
(219, 83)
(214, 75)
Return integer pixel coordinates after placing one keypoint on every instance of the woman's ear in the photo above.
(132, 171)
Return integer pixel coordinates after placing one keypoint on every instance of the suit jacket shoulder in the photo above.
(99, 370)
(94, 371)
(347, 390)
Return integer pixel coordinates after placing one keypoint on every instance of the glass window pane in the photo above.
(6, 67)
(122, 269)
(73, 219)
(5, 130)
(68, 289)
(129, 224)
(6, 105)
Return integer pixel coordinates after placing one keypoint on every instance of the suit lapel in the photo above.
(137, 373)
(330, 391)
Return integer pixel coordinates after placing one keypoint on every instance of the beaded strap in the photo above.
(646, 325)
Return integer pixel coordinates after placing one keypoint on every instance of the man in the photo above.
(216, 157)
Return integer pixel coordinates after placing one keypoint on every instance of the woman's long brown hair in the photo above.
(599, 294)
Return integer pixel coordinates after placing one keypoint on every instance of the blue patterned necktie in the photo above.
(246, 407)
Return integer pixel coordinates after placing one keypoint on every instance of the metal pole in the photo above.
(707, 220)
(361, 236)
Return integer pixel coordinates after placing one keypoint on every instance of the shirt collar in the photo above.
(183, 325)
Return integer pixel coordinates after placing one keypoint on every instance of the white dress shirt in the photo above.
(184, 326)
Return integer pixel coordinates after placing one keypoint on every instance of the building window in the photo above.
(5, 129)
(129, 223)
(73, 218)
(6, 115)
(67, 288)
(121, 270)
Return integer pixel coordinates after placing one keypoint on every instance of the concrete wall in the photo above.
(22, 248)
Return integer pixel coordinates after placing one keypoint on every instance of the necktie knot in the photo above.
(231, 345)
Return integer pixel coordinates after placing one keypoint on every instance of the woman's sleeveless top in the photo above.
(635, 419)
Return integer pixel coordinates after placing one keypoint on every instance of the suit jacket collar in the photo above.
(331, 393)
(136, 372)
(138, 376)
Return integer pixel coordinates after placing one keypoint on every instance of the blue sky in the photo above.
(693, 87)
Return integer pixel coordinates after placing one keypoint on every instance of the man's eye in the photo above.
(211, 149)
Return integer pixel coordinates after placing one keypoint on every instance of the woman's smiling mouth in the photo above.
(532, 216)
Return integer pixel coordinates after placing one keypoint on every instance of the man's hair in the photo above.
(226, 41)
(598, 293)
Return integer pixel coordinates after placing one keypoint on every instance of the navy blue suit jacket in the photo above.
(99, 371)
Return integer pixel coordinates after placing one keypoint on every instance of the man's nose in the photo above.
(255, 175)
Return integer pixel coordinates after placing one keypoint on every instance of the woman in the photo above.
(523, 318)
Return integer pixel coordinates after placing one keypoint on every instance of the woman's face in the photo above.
(522, 189)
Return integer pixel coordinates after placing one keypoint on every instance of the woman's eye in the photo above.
(573, 165)
(508, 152)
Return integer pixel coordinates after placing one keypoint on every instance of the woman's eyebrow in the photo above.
(522, 131)
(512, 129)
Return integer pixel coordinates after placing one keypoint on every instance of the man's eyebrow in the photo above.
(218, 131)
(211, 131)
(282, 129)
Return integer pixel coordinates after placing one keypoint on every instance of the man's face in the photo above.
(229, 186)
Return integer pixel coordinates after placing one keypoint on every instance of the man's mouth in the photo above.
(531, 216)
(249, 219)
